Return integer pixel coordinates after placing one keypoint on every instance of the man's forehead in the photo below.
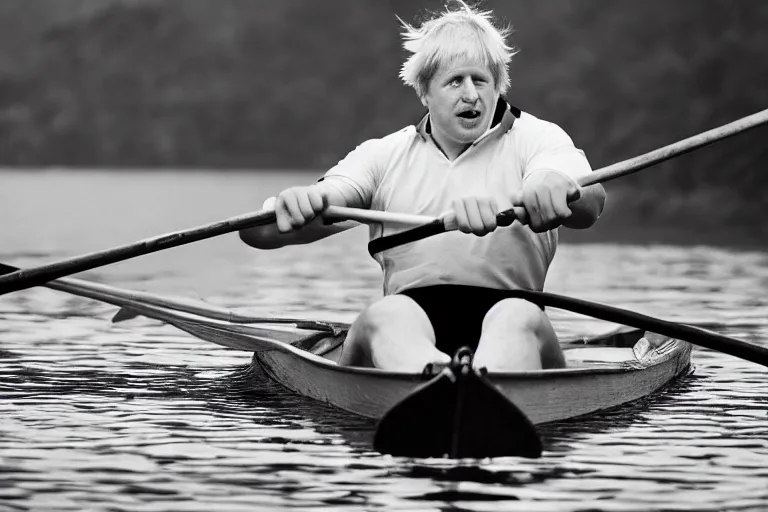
(456, 62)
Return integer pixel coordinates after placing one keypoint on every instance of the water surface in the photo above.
(138, 416)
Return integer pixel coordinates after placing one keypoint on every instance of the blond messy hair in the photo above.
(461, 33)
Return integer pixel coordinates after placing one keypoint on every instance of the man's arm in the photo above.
(550, 192)
(548, 199)
(299, 219)
(586, 210)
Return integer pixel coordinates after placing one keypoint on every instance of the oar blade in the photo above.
(459, 414)
(494, 426)
(417, 425)
(124, 314)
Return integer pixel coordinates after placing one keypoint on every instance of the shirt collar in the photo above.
(503, 118)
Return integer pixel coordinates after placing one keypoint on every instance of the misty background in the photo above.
(296, 84)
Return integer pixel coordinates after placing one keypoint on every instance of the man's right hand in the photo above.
(476, 214)
(296, 206)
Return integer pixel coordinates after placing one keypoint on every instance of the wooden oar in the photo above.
(21, 279)
(633, 165)
(27, 278)
(694, 335)
(124, 299)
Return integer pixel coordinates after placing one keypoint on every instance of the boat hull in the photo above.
(612, 377)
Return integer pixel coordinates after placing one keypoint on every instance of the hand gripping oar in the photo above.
(458, 414)
(505, 218)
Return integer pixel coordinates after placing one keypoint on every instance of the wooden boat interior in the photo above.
(615, 349)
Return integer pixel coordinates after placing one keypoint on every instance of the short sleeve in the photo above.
(552, 149)
(358, 174)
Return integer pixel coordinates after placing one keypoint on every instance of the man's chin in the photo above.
(468, 136)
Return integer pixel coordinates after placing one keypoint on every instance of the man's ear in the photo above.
(424, 101)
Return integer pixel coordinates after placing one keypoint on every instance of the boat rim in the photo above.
(603, 368)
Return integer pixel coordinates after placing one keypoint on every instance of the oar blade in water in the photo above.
(124, 314)
(416, 426)
(459, 414)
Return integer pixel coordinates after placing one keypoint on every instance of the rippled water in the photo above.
(137, 416)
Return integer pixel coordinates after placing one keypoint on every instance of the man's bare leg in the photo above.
(393, 334)
(518, 336)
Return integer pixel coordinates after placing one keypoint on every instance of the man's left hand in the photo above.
(545, 197)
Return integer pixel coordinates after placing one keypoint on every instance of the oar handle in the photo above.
(447, 222)
(341, 213)
(507, 217)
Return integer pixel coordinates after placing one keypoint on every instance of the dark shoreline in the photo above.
(142, 83)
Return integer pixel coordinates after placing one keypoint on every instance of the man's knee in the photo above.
(516, 314)
(390, 311)
(392, 333)
(517, 335)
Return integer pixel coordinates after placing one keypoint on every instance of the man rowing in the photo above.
(472, 153)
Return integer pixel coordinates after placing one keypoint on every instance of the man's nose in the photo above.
(468, 90)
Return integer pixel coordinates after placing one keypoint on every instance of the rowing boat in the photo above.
(459, 408)
(602, 371)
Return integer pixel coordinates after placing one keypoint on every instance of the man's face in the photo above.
(461, 99)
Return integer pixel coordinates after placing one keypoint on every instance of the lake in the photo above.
(137, 416)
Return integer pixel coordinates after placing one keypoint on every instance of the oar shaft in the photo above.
(657, 156)
(703, 338)
(27, 278)
(641, 162)
(127, 300)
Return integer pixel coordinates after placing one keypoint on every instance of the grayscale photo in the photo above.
(416, 255)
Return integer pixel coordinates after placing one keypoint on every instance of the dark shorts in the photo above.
(456, 312)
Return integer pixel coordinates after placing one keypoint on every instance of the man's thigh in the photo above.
(389, 332)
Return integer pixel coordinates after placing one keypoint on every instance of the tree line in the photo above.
(298, 83)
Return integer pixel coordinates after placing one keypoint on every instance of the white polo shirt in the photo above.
(406, 172)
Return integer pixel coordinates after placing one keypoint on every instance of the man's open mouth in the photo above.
(469, 114)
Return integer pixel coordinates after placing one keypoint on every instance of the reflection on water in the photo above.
(138, 416)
